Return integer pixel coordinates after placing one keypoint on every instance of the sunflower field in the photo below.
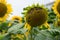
(38, 22)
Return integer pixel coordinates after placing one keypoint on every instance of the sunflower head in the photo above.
(35, 15)
(17, 19)
(56, 7)
(5, 9)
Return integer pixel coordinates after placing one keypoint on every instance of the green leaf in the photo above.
(2, 36)
(16, 28)
(7, 37)
(47, 34)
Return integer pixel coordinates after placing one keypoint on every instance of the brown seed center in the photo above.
(3, 9)
(36, 16)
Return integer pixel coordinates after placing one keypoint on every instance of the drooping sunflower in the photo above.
(17, 19)
(56, 8)
(5, 10)
(35, 15)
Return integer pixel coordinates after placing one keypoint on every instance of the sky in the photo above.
(18, 5)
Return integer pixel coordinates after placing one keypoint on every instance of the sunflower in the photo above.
(5, 10)
(35, 15)
(17, 19)
(56, 8)
(31, 13)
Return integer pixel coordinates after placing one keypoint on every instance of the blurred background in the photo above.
(18, 5)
